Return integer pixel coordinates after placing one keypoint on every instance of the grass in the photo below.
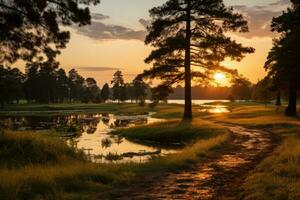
(171, 132)
(41, 166)
(278, 176)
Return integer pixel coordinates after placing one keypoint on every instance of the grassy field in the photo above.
(41, 166)
(165, 110)
(67, 174)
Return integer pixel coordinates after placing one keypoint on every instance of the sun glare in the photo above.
(219, 76)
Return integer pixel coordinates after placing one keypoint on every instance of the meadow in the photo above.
(39, 165)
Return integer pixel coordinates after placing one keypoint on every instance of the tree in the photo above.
(62, 86)
(118, 87)
(241, 89)
(189, 33)
(76, 85)
(283, 59)
(92, 91)
(263, 90)
(139, 89)
(11, 85)
(30, 30)
(105, 92)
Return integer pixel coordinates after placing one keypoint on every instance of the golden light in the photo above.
(219, 76)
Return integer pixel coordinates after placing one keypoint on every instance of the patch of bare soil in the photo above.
(216, 177)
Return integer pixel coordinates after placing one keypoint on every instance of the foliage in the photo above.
(105, 92)
(30, 30)
(118, 86)
(191, 33)
(241, 88)
(11, 85)
(283, 60)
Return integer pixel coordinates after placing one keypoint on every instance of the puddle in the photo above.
(214, 109)
(91, 134)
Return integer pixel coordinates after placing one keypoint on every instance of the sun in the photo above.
(219, 76)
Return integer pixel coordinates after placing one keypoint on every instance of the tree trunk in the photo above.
(188, 92)
(278, 99)
(291, 110)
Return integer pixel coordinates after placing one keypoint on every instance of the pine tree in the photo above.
(105, 93)
(283, 59)
(118, 86)
(31, 29)
(190, 33)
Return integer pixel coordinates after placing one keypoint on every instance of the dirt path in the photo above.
(216, 177)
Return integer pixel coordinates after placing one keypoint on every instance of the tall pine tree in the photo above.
(189, 41)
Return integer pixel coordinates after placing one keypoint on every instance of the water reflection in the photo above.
(214, 109)
(90, 132)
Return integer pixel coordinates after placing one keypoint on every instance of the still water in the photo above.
(91, 133)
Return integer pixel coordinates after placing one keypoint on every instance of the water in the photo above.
(91, 133)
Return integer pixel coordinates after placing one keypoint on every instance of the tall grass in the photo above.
(277, 177)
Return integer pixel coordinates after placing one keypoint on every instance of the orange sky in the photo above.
(94, 54)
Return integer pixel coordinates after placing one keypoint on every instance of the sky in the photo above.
(114, 40)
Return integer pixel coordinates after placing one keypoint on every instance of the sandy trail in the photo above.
(216, 177)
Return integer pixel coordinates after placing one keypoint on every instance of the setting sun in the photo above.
(219, 76)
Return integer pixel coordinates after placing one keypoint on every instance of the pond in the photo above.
(91, 133)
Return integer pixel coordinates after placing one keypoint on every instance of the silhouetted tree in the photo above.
(283, 59)
(105, 92)
(118, 86)
(76, 85)
(191, 32)
(30, 29)
(92, 91)
(262, 91)
(139, 89)
(62, 85)
(241, 88)
(11, 85)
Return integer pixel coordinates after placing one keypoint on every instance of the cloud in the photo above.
(260, 17)
(99, 16)
(98, 30)
(97, 69)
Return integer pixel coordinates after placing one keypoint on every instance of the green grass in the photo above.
(171, 132)
(278, 176)
(41, 166)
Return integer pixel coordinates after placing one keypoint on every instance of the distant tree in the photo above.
(160, 93)
(191, 32)
(32, 82)
(262, 91)
(62, 85)
(76, 85)
(139, 89)
(11, 85)
(118, 87)
(105, 92)
(241, 89)
(92, 91)
(283, 59)
(30, 29)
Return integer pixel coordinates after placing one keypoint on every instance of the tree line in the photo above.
(45, 83)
